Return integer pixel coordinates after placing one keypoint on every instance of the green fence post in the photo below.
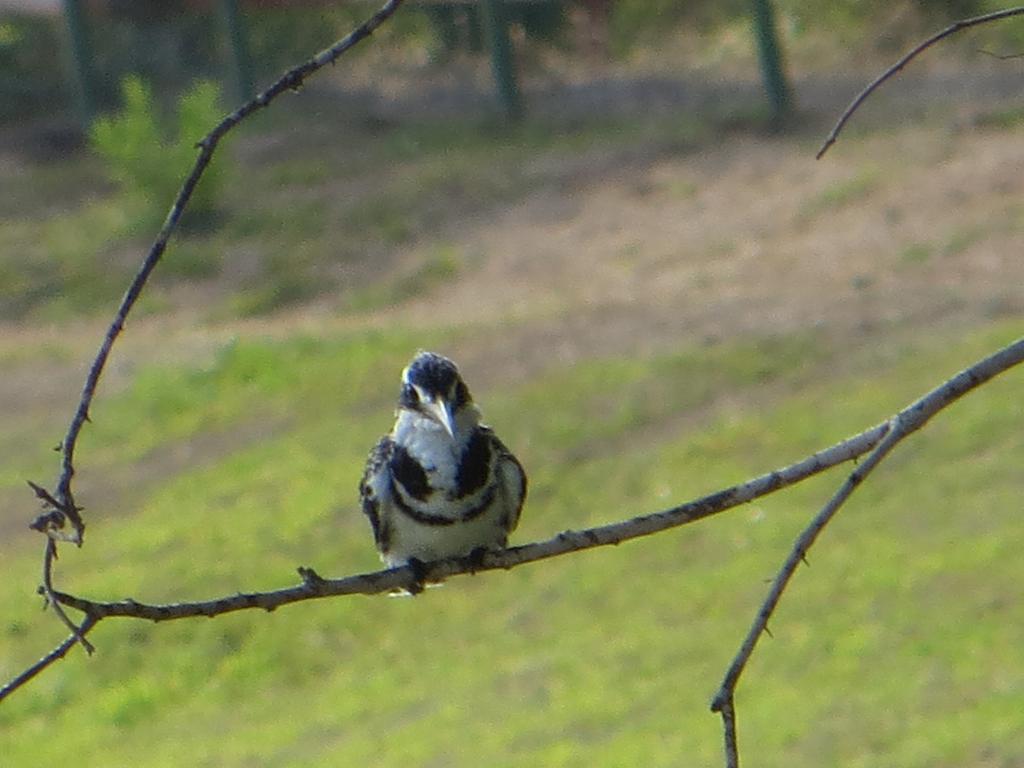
(502, 62)
(770, 56)
(81, 59)
(234, 26)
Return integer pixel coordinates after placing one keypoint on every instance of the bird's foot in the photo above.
(475, 559)
(419, 575)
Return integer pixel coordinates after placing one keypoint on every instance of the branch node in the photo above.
(718, 701)
(311, 578)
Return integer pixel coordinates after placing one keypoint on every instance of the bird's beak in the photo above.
(441, 412)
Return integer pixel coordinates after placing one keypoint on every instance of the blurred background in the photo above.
(609, 213)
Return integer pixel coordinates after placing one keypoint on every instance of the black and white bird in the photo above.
(441, 484)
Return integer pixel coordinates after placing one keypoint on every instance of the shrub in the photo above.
(146, 162)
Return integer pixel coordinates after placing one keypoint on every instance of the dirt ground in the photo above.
(918, 223)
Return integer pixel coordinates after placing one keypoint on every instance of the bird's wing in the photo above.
(511, 478)
(375, 490)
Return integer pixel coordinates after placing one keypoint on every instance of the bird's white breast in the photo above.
(428, 443)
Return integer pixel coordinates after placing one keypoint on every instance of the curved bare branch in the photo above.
(55, 655)
(952, 29)
(289, 81)
(405, 578)
(903, 424)
(61, 507)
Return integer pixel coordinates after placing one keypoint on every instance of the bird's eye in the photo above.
(409, 398)
(461, 396)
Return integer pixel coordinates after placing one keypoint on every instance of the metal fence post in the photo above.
(770, 56)
(234, 26)
(502, 61)
(81, 60)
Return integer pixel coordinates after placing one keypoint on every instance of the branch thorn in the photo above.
(310, 577)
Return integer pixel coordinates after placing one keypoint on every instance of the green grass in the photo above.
(441, 264)
(61, 263)
(900, 645)
(915, 253)
(841, 193)
(1001, 119)
(304, 225)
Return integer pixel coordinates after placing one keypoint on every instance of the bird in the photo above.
(441, 484)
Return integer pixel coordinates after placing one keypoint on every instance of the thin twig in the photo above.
(314, 586)
(55, 655)
(289, 81)
(952, 29)
(54, 516)
(63, 504)
(51, 601)
(732, 753)
(904, 423)
(910, 419)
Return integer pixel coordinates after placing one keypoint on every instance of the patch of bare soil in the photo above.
(749, 237)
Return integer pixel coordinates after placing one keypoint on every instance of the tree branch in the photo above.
(289, 81)
(903, 424)
(61, 506)
(51, 600)
(313, 586)
(952, 29)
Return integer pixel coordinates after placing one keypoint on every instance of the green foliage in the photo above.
(149, 164)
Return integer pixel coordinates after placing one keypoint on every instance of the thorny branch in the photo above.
(61, 507)
(314, 586)
(46, 589)
(291, 80)
(56, 654)
(903, 424)
(952, 29)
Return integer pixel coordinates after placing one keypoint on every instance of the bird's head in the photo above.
(433, 388)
